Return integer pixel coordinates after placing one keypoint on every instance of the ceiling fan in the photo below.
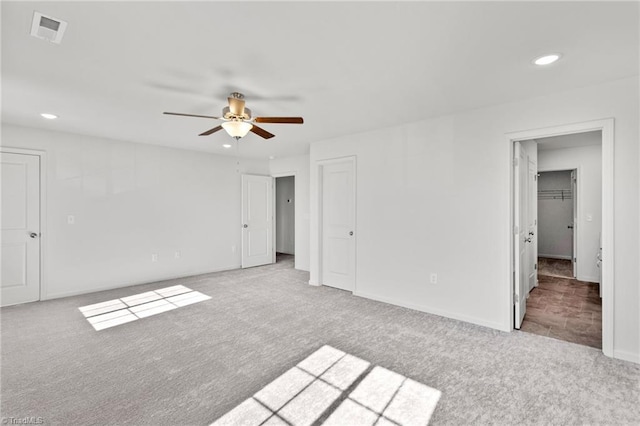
(238, 121)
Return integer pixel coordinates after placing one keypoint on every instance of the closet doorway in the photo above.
(578, 306)
(285, 226)
(557, 223)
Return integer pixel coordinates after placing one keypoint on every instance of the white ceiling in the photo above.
(344, 67)
(570, 141)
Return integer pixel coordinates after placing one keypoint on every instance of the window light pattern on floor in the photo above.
(120, 311)
(317, 388)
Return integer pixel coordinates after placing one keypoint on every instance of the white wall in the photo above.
(555, 214)
(588, 161)
(285, 215)
(129, 201)
(298, 166)
(435, 196)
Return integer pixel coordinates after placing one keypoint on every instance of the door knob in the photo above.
(245, 226)
(33, 235)
(350, 232)
(528, 240)
(531, 233)
(570, 226)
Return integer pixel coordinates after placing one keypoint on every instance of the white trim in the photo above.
(554, 256)
(283, 174)
(44, 235)
(319, 166)
(607, 128)
(587, 279)
(137, 283)
(626, 356)
(433, 311)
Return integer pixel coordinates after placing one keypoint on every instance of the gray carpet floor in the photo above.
(193, 364)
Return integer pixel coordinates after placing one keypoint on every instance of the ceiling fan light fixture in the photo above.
(237, 128)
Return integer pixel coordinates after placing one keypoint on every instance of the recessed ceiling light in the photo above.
(271, 157)
(226, 145)
(547, 59)
(49, 116)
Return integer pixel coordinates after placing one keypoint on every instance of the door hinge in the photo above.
(575, 259)
(535, 267)
(515, 161)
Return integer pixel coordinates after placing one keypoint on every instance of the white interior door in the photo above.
(20, 265)
(574, 229)
(532, 221)
(338, 226)
(520, 232)
(257, 220)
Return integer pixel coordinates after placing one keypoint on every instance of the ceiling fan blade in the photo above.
(236, 106)
(191, 115)
(261, 132)
(210, 131)
(281, 120)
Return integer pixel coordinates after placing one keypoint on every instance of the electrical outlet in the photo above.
(154, 257)
(433, 278)
(177, 254)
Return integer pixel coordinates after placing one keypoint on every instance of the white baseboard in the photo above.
(554, 256)
(626, 356)
(132, 284)
(434, 311)
(588, 279)
(314, 283)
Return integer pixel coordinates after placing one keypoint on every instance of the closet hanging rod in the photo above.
(554, 194)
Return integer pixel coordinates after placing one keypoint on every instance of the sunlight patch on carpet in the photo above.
(121, 311)
(339, 389)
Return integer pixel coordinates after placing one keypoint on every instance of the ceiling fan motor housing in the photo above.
(227, 114)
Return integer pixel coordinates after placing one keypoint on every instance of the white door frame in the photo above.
(577, 213)
(607, 284)
(44, 235)
(273, 203)
(320, 170)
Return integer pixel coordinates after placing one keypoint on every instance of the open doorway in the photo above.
(285, 220)
(567, 302)
(557, 209)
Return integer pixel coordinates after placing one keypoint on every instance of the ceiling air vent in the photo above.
(47, 27)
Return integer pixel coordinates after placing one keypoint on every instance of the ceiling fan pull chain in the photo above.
(237, 155)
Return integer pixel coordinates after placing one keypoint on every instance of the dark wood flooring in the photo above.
(565, 309)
